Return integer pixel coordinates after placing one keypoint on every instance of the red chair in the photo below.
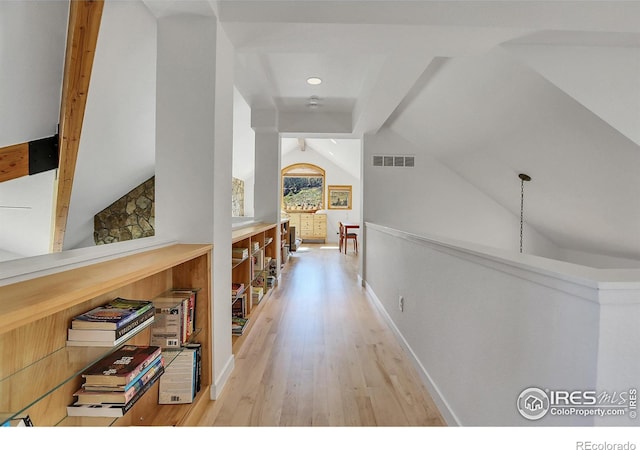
(344, 239)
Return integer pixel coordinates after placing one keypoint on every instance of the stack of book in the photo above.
(239, 307)
(174, 323)
(112, 324)
(238, 324)
(236, 289)
(255, 245)
(258, 261)
(239, 254)
(256, 294)
(115, 383)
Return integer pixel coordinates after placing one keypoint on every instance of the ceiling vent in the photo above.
(394, 161)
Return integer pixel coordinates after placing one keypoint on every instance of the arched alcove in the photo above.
(303, 187)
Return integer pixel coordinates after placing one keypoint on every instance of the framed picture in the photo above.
(302, 188)
(339, 197)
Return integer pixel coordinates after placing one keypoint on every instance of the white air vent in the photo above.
(393, 161)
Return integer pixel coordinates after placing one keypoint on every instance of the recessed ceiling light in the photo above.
(314, 81)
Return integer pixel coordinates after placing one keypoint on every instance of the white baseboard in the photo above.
(221, 380)
(443, 406)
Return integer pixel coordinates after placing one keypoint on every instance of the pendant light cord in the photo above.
(523, 177)
(521, 210)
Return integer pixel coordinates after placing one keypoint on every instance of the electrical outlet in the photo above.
(401, 303)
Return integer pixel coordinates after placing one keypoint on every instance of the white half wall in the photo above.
(432, 199)
(483, 324)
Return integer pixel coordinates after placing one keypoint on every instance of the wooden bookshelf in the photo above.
(262, 241)
(39, 374)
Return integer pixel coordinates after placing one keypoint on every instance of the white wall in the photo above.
(483, 324)
(26, 231)
(334, 174)
(194, 156)
(432, 199)
(31, 82)
(32, 47)
(117, 145)
(243, 149)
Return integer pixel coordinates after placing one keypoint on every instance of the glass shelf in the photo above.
(56, 369)
(235, 263)
(238, 296)
(50, 373)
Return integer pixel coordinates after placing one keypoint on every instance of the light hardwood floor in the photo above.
(319, 354)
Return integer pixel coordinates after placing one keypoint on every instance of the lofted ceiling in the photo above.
(491, 89)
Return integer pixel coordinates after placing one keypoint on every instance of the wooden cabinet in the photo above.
(40, 374)
(262, 243)
(310, 227)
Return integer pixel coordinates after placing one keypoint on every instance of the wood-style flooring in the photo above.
(319, 354)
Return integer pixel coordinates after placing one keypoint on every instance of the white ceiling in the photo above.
(345, 153)
(491, 89)
(546, 87)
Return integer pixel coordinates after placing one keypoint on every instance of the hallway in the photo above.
(320, 354)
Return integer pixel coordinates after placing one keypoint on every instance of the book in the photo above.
(168, 329)
(18, 422)
(198, 348)
(74, 334)
(237, 288)
(256, 294)
(107, 410)
(239, 307)
(121, 366)
(87, 396)
(111, 316)
(239, 253)
(112, 343)
(190, 323)
(175, 318)
(120, 388)
(178, 384)
(238, 324)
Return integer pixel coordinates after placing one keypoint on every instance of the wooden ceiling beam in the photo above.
(14, 161)
(82, 36)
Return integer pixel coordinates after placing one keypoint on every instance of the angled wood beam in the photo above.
(82, 36)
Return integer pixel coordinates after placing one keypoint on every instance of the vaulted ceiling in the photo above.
(489, 88)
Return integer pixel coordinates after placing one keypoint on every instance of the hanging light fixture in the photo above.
(523, 177)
